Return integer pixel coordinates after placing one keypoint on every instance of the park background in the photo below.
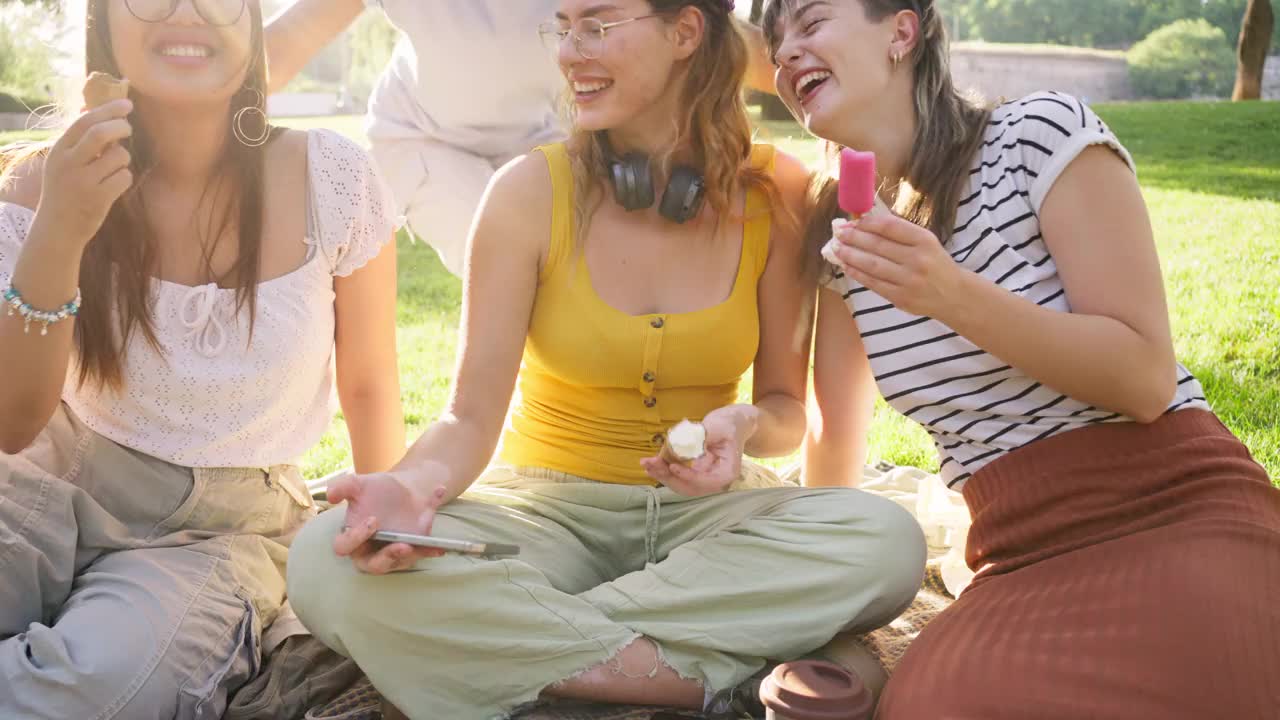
(1160, 72)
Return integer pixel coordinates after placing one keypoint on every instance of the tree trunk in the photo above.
(1255, 41)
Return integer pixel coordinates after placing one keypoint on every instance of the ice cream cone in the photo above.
(101, 89)
(686, 442)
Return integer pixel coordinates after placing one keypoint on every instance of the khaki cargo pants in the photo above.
(133, 588)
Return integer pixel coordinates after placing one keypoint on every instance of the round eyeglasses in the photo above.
(215, 12)
(588, 34)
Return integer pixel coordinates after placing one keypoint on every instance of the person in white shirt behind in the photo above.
(469, 87)
(183, 286)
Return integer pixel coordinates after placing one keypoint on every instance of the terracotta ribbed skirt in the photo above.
(1125, 571)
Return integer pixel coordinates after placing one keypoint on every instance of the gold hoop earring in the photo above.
(237, 122)
(896, 58)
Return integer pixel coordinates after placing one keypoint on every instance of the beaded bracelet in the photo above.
(18, 306)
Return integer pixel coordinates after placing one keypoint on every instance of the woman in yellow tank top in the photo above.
(620, 304)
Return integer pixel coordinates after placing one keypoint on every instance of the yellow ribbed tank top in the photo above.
(599, 388)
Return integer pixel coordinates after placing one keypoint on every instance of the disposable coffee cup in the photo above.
(814, 690)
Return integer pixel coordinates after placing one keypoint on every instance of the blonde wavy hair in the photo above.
(713, 122)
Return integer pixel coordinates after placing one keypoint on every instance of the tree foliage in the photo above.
(28, 38)
(1088, 23)
(1183, 59)
(372, 40)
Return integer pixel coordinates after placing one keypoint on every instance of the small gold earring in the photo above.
(897, 58)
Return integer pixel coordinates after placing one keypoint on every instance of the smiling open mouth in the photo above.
(810, 82)
(192, 51)
(587, 89)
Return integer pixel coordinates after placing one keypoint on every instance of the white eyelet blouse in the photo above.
(213, 396)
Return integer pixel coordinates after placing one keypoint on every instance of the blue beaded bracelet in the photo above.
(18, 306)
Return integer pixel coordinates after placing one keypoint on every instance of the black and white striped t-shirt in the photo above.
(974, 406)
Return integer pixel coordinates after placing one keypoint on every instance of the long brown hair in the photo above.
(713, 119)
(948, 133)
(120, 261)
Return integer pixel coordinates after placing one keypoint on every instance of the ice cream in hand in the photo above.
(686, 442)
(856, 192)
(857, 182)
(100, 89)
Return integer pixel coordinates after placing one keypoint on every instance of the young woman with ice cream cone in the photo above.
(183, 284)
(624, 280)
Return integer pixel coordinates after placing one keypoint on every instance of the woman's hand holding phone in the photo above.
(386, 501)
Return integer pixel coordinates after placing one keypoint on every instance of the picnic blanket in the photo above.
(304, 679)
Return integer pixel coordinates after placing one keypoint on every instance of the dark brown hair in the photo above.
(120, 261)
(949, 125)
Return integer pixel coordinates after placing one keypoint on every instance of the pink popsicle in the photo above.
(857, 182)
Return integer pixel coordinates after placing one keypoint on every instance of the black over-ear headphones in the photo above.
(633, 185)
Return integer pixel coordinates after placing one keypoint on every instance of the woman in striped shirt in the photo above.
(1013, 305)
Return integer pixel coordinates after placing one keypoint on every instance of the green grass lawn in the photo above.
(1211, 176)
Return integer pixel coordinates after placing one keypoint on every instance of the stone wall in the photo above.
(1011, 71)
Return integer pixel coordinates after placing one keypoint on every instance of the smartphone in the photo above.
(467, 547)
